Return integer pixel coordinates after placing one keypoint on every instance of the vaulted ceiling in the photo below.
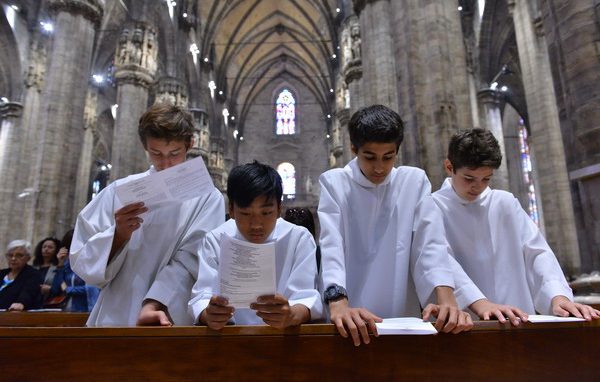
(252, 42)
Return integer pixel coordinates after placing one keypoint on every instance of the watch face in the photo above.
(334, 292)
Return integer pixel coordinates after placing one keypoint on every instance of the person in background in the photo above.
(303, 217)
(80, 297)
(20, 282)
(45, 260)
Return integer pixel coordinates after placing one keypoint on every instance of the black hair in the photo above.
(376, 123)
(67, 239)
(302, 217)
(38, 258)
(474, 148)
(248, 181)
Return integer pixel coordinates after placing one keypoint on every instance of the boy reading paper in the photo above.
(254, 191)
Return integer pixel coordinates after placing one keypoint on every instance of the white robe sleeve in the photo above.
(544, 275)
(92, 241)
(429, 260)
(301, 283)
(331, 240)
(466, 291)
(207, 283)
(173, 283)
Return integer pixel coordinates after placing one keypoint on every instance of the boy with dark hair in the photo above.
(495, 241)
(145, 260)
(382, 239)
(254, 191)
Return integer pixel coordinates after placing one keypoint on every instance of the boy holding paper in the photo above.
(495, 241)
(254, 191)
(144, 258)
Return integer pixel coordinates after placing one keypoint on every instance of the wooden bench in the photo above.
(490, 352)
(43, 319)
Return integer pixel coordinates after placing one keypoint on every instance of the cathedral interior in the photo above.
(277, 81)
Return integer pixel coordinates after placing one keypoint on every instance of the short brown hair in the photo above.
(164, 121)
(473, 149)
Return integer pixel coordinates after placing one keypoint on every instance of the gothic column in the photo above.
(352, 72)
(201, 144)
(173, 91)
(135, 67)
(22, 208)
(573, 39)
(492, 121)
(11, 136)
(546, 137)
(90, 119)
(216, 163)
(61, 116)
(431, 75)
(373, 43)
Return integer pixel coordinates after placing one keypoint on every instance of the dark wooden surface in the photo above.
(43, 319)
(491, 352)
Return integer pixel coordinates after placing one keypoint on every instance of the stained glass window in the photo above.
(528, 172)
(288, 176)
(285, 113)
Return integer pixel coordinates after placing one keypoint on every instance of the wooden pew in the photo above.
(491, 352)
(43, 319)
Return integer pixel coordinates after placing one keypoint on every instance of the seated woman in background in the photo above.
(80, 297)
(20, 283)
(46, 262)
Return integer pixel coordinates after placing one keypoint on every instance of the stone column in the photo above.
(352, 72)
(216, 163)
(492, 121)
(546, 137)
(31, 125)
(173, 91)
(573, 38)
(372, 43)
(61, 116)
(11, 137)
(135, 67)
(340, 124)
(201, 144)
(431, 75)
(90, 119)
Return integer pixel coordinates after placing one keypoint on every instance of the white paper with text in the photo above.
(246, 271)
(185, 181)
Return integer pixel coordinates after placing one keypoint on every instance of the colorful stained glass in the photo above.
(288, 176)
(285, 113)
(527, 170)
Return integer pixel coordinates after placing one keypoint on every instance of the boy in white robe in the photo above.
(254, 191)
(382, 239)
(495, 241)
(145, 260)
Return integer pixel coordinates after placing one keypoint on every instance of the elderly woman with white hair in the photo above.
(20, 282)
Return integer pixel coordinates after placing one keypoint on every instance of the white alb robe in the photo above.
(501, 249)
(384, 243)
(295, 265)
(158, 262)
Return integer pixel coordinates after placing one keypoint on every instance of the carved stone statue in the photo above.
(355, 34)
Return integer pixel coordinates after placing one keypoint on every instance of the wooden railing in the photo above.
(490, 352)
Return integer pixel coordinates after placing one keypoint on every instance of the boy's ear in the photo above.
(354, 149)
(231, 213)
(448, 167)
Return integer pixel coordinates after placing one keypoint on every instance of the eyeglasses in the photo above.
(17, 255)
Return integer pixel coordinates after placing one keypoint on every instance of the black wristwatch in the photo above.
(334, 292)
